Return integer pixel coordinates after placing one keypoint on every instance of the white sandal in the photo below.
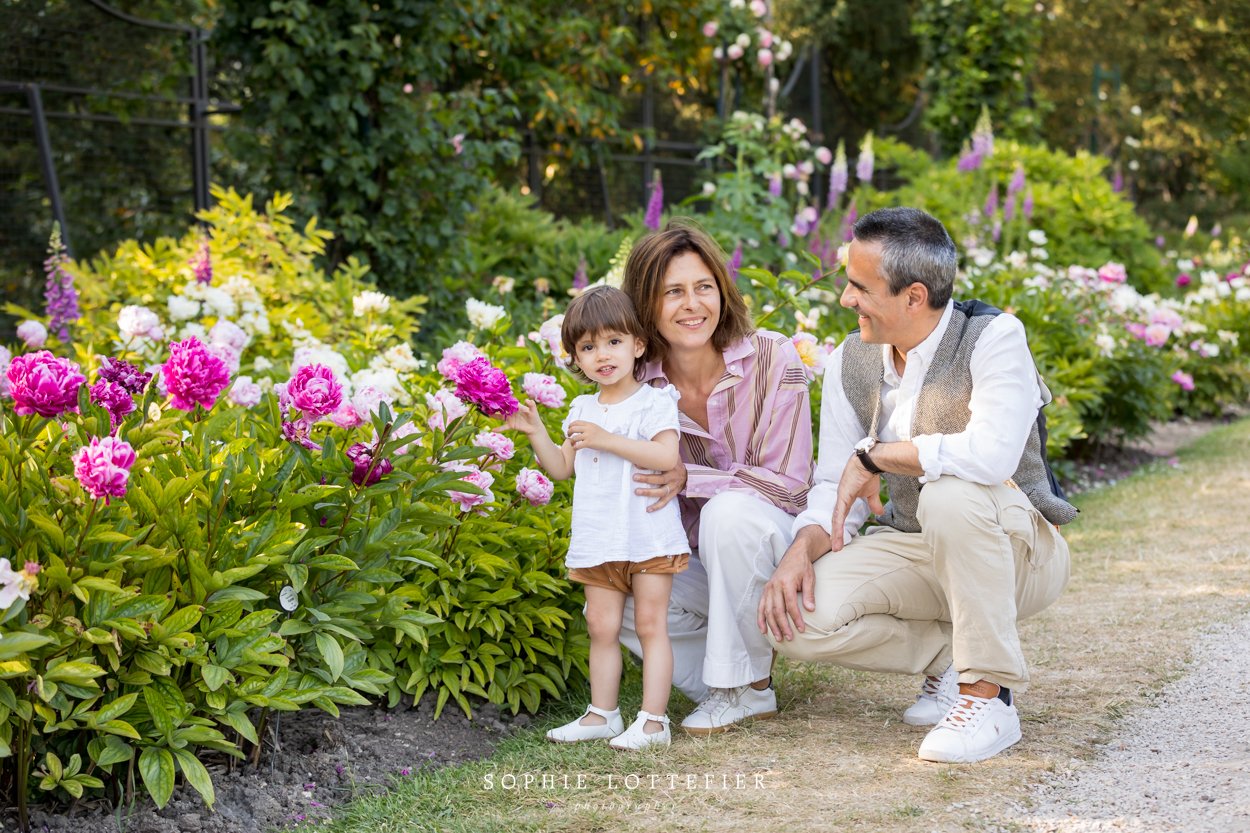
(576, 731)
(636, 736)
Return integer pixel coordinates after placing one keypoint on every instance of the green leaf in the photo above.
(237, 594)
(114, 751)
(21, 642)
(197, 776)
(239, 722)
(160, 710)
(120, 727)
(214, 675)
(116, 708)
(156, 766)
(331, 653)
(79, 673)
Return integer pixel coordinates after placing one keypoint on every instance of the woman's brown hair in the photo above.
(600, 309)
(644, 283)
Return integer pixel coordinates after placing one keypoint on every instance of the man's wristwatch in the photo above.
(861, 451)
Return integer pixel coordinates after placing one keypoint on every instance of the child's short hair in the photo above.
(599, 309)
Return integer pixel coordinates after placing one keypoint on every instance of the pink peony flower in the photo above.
(1113, 273)
(193, 376)
(113, 398)
(314, 390)
(1156, 335)
(244, 392)
(543, 389)
(103, 467)
(1183, 279)
(365, 472)
(534, 486)
(477, 477)
(345, 416)
(228, 355)
(40, 383)
(408, 429)
(228, 333)
(445, 408)
(710, 29)
(33, 334)
(460, 353)
(1184, 380)
(368, 400)
(497, 444)
(485, 386)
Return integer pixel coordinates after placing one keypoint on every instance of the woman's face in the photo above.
(690, 304)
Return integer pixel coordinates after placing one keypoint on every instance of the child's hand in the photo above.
(585, 434)
(525, 420)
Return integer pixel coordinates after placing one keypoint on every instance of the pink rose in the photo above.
(534, 486)
(193, 376)
(103, 467)
(314, 390)
(43, 384)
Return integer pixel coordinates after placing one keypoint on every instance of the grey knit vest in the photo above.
(942, 408)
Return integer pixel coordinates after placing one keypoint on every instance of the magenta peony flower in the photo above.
(485, 386)
(543, 389)
(113, 398)
(314, 390)
(534, 486)
(1183, 279)
(364, 471)
(40, 383)
(477, 477)
(193, 376)
(125, 374)
(103, 467)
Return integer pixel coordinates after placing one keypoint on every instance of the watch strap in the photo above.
(867, 462)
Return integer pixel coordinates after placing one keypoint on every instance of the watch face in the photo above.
(865, 444)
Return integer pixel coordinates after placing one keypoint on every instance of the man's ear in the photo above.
(917, 295)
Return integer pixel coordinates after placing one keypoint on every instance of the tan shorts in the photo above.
(619, 575)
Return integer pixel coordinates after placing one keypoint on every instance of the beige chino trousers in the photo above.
(916, 602)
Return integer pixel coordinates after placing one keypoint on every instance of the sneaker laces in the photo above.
(720, 698)
(967, 712)
(931, 688)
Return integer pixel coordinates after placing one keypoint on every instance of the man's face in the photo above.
(881, 314)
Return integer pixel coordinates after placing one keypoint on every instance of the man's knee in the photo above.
(736, 522)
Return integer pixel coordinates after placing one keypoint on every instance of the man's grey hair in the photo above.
(915, 248)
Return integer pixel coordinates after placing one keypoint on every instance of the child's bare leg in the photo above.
(651, 593)
(604, 609)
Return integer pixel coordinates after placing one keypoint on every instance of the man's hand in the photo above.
(793, 577)
(856, 482)
(663, 486)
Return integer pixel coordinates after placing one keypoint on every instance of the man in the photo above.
(943, 400)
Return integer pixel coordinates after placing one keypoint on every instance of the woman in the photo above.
(746, 466)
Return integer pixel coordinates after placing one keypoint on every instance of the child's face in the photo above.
(608, 357)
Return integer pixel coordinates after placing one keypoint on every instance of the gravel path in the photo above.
(1183, 765)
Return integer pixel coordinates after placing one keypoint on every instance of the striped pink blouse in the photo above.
(759, 435)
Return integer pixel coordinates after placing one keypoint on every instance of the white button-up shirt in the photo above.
(1005, 399)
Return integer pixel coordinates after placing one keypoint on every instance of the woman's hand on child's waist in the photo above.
(663, 486)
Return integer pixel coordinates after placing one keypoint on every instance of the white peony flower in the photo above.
(383, 379)
(181, 308)
(230, 334)
(139, 322)
(370, 302)
(483, 316)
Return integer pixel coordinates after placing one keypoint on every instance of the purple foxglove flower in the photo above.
(1009, 208)
(655, 206)
(991, 201)
(202, 266)
(838, 176)
(983, 135)
(969, 161)
(997, 231)
(1117, 181)
(1027, 208)
(580, 278)
(735, 262)
(774, 186)
(848, 223)
(60, 297)
(1017, 181)
(864, 166)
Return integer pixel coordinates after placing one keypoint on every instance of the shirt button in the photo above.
(596, 459)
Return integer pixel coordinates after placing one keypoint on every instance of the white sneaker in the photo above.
(637, 737)
(935, 699)
(974, 729)
(726, 706)
(577, 731)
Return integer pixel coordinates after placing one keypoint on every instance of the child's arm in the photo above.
(658, 453)
(556, 460)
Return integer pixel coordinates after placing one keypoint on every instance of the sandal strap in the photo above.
(658, 718)
(604, 713)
